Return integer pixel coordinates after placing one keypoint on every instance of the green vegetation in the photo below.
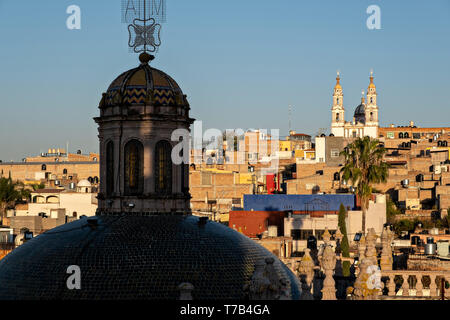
(405, 225)
(344, 244)
(364, 166)
(8, 195)
(12, 193)
(391, 210)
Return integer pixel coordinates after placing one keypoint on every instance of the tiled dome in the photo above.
(143, 85)
(137, 257)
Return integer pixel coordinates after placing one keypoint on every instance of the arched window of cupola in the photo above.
(163, 165)
(110, 168)
(134, 168)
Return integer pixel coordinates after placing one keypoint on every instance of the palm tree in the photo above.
(8, 195)
(364, 166)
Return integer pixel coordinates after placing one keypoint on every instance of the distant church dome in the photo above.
(360, 111)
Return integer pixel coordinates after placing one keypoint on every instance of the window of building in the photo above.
(303, 234)
(64, 171)
(334, 153)
(134, 168)
(163, 167)
(43, 167)
(337, 114)
(110, 168)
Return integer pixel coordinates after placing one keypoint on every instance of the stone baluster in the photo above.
(405, 285)
(391, 286)
(419, 286)
(433, 287)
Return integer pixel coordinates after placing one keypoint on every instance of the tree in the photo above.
(364, 166)
(344, 244)
(391, 210)
(8, 195)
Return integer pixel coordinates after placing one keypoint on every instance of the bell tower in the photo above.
(337, 110)
(372, 121)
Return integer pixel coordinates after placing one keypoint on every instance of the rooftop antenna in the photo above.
(290, 119)
(144, 18)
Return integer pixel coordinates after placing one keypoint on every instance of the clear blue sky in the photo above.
(241, 63)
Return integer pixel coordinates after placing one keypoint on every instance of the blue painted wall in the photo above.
(283, 202)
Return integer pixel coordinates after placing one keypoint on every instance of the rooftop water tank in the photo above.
(430, 249)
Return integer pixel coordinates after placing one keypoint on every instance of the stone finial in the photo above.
(339, 236)
(371, 251)
(361, 248)
(326, 236)
(306, 275)
(328, 263)
(186, 289)
(306, 267)
(386, 254)
(265, 283)
(368, 271)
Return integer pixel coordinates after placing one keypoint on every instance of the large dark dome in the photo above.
(136, 257)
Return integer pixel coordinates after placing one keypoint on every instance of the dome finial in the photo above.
(371, 84)
(144, 57)
(338, 81)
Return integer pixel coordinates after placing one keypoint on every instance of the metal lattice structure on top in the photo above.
(144, 18)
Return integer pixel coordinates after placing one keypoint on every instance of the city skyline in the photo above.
(242, 65)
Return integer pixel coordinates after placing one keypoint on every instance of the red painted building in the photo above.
(253, 223)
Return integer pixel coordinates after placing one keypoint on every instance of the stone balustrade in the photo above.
(415, 284)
